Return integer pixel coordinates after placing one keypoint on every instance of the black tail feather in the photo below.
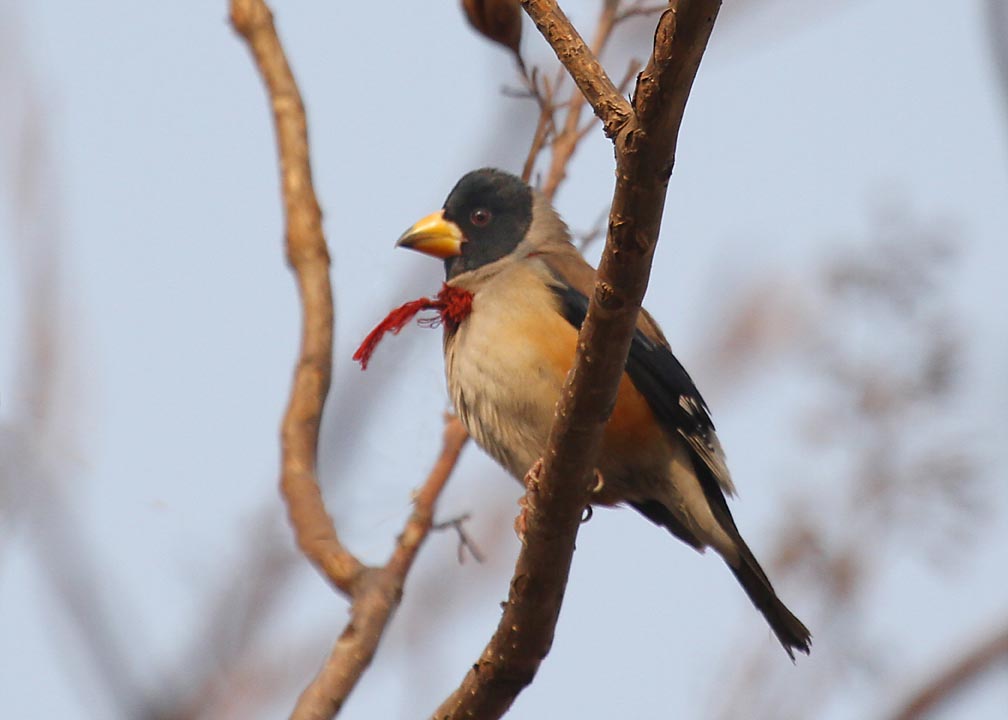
(791, 632)
(793, 635)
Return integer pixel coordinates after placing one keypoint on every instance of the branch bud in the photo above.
(496, 20)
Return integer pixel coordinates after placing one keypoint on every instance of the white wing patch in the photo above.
(705, 443)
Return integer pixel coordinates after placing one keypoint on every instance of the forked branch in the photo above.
(374, 592)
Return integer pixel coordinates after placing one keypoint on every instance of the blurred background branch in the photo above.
(970, 668)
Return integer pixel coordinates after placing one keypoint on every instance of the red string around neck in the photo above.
(453, 305)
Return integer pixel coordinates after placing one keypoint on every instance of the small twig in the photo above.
(465, 541)
(639, 9)
(522, 93)
(545, 128)
(419, 523)
(539, 138)
(566, 141)
(633, 68)
(582, 65)
(597, 230)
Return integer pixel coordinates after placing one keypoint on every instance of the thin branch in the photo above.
(420, 522)
(640, 9)
(546, 126)
(558, 489)
(377, 594)
(951, 680)
(632, 69)
(597, 230)
(566, 141)
(539, 138)
(309, 257)
(464, 541)
(581, 63)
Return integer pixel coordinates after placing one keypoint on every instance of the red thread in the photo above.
(452, 304)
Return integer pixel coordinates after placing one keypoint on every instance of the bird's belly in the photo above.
(504, 393)
(505, 373)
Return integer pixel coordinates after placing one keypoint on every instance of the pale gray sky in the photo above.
(182, 320)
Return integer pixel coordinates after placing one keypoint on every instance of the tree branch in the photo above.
(546, 125)
(558, 491)
(664, 85)
(581, 63)
(566, 141)
(638, 9)
(949, 681)
(308, 256)
(375, 592)
(421, 521)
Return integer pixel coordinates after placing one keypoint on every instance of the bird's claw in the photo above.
(531, 486)
(519, 523)
(594, 492)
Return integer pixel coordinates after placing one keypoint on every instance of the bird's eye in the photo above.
(480, 217)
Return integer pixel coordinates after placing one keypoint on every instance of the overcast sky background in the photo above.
(181, 327)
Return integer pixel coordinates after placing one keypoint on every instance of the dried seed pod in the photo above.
(497, 20)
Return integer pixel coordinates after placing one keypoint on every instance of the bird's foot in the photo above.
(594, 491)
(519, 523)
(531, 483)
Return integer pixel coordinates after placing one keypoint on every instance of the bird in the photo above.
(507, 357)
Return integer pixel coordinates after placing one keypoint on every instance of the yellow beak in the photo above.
(433, 235)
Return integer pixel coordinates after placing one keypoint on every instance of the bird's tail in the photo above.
(791, 632)
(793, 635)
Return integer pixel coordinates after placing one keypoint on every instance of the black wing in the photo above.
(675, 401)
(655, 372)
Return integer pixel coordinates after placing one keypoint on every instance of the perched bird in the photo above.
(506, 360)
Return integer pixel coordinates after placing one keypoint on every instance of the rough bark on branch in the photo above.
(584, 68)
(645, 139)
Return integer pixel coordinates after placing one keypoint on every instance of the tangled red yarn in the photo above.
(453, 305)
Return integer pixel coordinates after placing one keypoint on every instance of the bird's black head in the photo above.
(486, 215)
(493, 209)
